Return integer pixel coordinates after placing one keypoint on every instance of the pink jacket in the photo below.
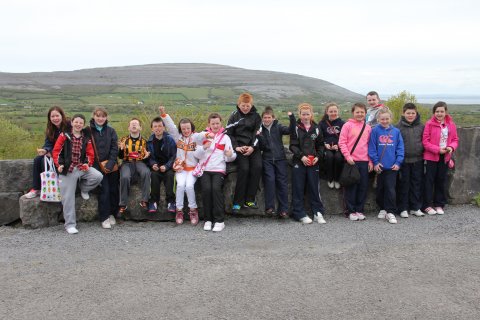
(348, 135)
(431, 138)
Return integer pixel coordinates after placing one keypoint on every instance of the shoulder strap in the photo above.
(384, 147)
(94, 145)
(358, 139)
(214, 148)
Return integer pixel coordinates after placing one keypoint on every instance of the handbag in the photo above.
(350, 174)
(200, 167)
(50, 191)
(101, 164)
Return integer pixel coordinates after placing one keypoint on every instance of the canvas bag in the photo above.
(50, 190)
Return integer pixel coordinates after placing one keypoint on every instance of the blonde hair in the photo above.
(383, 111)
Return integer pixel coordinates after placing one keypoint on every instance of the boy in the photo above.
(133, 150)
(374, 106)
(242, 129)
(73, 156)
(411, 171)
(163, 152)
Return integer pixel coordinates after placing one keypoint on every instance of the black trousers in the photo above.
(108, 197)
(356, 195)
(334, 164)
(305, 177)
(435, 190)
(157, 177)
(249, 173)
(410, 186)
(275, 184)
(38, 168)
(386, 193)
(213, 197)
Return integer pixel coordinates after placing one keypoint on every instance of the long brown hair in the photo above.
(50, 131)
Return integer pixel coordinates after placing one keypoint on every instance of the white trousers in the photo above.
(185, 183)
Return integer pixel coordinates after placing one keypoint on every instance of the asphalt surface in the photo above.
(257, 268)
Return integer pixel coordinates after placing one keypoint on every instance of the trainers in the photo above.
(179, 216)
(32, 193)
(72, 230)
(218, 226)
(430, 211)
(439, 210)
(85, 195)
(193, 213)
(171, 207)
(331, 184)
(283, 215)
(144, 204)
(417, 213)
(319, 218)
(382, 214)
(152, 207)
(207, 226)
(391, 218)
(353, 216)
(306, 220)
(236, 208)
(250, 205)
(360, 216)
(112, 220)
(337, 185)
(269, 212)
(404, 214)
(106, 224)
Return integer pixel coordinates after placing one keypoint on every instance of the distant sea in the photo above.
(449, 99)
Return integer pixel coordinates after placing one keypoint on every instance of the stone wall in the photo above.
(16, 176)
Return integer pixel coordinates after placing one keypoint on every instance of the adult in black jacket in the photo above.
(242, 129)
(306, 143)
(106, 148)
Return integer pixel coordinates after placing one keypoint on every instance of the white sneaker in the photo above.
(319, 218)
(337, 185)
(207, 226)
(85, 195)
(306, 220)
(72, 230)
(32, 194)
(353, 216)
(439, 210)
(382, 214)
(219, 226)
(391, 218)
(106, 224)
(112, 220)
(404, 214)
(417, 213)
(360, 216)
(430, 211)
(331, 184)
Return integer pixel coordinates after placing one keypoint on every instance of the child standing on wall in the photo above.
(385, 149)
(306, 144)
(411, 170)
(275, 166)
(73, 156)
(353, 143)
(440, 140)
(242, 128)
(374, 105)
(331, 125)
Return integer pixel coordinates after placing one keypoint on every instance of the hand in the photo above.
(443, 150)
(249, 151)
(305, 161)
(84, 167)
(370, 167)
(378, 168)
(335, 147)
(163, 168)
(228, 153)
(395, 167)
(449, 149)
(161, 109)
(328, 147)
(315, 160)
(155, 167)
(207, 144)
(289, 113)
(147, 154)
(41, 152)
(210, 135)
(121, 145)
(60, 168)
(351, 162)
(240, 149)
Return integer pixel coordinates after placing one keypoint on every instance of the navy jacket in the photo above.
(106, 142)
(169, 149)
(332, 132)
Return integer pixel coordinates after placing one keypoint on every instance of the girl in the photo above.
(355, 129)
(242, 129)
(187, 140)
(104, 139)
(306, 143)
(216, 151)
(386, 151)
(275, 167)
(73, 156)
(331, 125)
(56, 123)
(440, 140)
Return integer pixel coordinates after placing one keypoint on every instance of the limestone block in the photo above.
(15, 175)
(10, 207)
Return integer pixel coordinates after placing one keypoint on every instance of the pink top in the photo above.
(432, 135)
(348, 135)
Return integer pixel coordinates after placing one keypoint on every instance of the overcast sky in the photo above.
(389, 46)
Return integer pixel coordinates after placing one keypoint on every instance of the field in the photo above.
(23, 113)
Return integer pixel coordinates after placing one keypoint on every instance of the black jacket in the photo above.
(303, 143)
(331, 133)
(106, 143)
(242, 128)
(62, 151)
(271, 143)
(412, 134)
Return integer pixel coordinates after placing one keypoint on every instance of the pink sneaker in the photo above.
(179, 217)
(360, 216)
(193, 216)
(32, 194)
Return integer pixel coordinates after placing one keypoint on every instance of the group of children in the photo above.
(180, 155)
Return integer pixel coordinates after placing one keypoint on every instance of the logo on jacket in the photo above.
(333, 130)
(385, 139)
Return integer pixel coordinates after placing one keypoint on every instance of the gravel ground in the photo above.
(257, 268)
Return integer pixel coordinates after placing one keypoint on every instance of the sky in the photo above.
(424, 47)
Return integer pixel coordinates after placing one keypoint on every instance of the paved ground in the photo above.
(422, 268)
